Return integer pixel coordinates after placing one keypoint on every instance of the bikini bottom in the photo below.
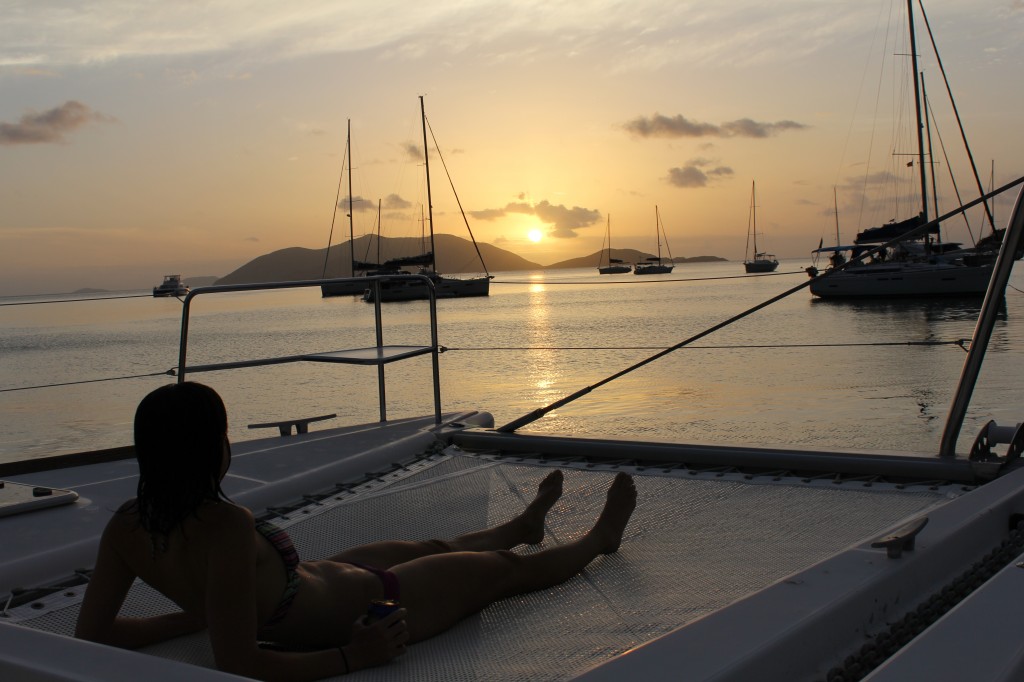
(387, 579)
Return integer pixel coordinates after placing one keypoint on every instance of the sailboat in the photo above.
(344, 288)
(415, 288)
(608, 265)
(654, 264)
(916, 265)
(761, 262)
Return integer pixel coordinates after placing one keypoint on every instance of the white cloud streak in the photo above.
(621, 34)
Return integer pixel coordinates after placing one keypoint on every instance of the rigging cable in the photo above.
(533, 416)
(458, 201)
(170, 372)
(337, 200)
(962, 343)
(76, 300)
(956, 113)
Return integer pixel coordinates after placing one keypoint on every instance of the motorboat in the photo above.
(171, 286)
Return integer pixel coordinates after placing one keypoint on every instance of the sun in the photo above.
(534, 236)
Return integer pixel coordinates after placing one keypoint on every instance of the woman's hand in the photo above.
(377, 643)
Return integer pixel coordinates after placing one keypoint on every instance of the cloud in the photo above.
(395, 202)
(49, 126)
(688, 176)
(745, 127)
(412, 150)
(663, 126)
(490, 213)
(697, 173)
(562, 221)
(680, 126)
(359, 204)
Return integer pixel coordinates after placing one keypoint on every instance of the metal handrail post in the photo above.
(378, 322)
(183, 342)
(434, 354)
(1012, 240)
(381, 390)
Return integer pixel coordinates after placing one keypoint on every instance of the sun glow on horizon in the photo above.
(535, 235)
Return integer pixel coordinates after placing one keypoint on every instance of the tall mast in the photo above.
(917, 109)
(608, 229)
(351, 228)
(657, 231)
(337, 202)
(835, 202)
(959, 122)
(753, 209)
(426, 165)
(931, 152)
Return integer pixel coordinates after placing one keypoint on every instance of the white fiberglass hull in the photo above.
(657, 607)
(414, 289)
(904, 279)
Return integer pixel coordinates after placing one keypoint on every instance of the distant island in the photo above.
(454, 255)
(701, 259)
(204, 281)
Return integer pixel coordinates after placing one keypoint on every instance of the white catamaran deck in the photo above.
(700, 540)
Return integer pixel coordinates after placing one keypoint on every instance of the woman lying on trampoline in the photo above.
(243, 582)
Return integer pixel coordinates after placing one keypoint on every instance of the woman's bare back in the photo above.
(331, 596)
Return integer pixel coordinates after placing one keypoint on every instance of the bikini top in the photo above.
(290, 558)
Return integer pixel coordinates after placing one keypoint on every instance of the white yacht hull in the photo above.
(904, 279)
(415, 289)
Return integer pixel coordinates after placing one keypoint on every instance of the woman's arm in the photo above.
(111, 579)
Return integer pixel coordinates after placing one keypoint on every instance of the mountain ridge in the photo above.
(453, 255)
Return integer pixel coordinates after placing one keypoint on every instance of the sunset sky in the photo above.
(141, 138)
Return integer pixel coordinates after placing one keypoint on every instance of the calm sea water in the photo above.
(802, 371)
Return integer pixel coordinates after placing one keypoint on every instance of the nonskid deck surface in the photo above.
(696, 543)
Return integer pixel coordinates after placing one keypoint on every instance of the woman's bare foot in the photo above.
(548, 492)
(619, 507)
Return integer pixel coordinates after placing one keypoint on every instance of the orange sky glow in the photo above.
(183, 138)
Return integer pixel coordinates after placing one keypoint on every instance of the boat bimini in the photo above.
(740, 563)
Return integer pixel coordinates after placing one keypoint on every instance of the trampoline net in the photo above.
(694, 545)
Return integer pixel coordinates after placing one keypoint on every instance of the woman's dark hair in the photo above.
(180, 438)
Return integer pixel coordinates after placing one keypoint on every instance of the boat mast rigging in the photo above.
(917, 111)
(426, 167)
(451, 183)
(956, 111)
(337, 198)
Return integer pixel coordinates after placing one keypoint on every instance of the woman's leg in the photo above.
(442, 589)
(527, 528)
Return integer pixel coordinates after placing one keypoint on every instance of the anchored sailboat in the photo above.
(654, 264)
(761, 262)
(414, 288)
(920, 264)
(344, 288)
(606, 265)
